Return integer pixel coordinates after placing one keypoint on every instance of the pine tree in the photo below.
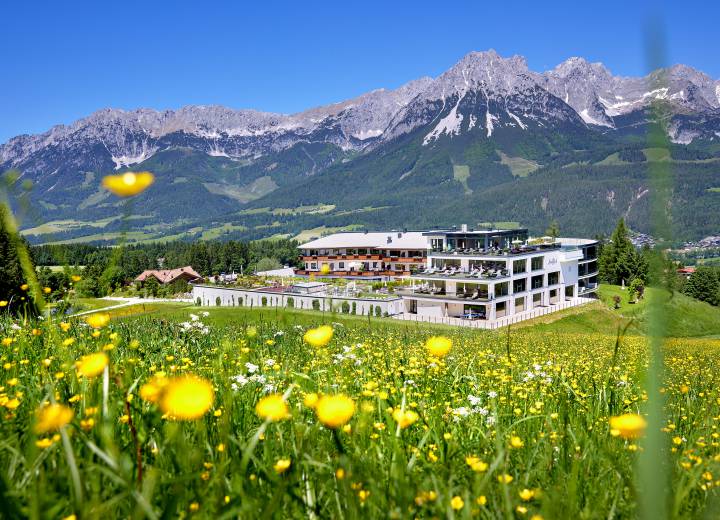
(553, 230)
(620, 261)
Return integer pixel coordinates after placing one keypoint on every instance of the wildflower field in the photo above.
(154, 418)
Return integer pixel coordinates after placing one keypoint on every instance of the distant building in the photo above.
(686, 271)
(167, 276)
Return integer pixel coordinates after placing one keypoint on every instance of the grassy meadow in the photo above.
(507, 424)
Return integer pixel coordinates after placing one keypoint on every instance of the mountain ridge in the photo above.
(465, 129)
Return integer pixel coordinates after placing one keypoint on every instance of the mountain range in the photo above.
(488, 140)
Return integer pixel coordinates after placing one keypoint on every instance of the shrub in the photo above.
(316, 305)
(354, 307)
(290, 302)
(218, 301)
(378, 311)
(345, 307)
(263, 301)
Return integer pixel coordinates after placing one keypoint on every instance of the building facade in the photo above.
(492, 274)
(364, 255)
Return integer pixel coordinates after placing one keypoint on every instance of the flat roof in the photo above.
(475, 231)
(309, 285)
(372, 240)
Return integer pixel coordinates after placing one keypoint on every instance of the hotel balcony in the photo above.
(467, 295)
(461, 275)
(351, 274)
(480, 252)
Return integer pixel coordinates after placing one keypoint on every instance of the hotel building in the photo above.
(365, 255)
(498, 273)
(471, 274)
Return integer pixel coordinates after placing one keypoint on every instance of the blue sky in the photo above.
(63, 60)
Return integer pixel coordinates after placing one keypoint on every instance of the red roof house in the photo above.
(165, 276)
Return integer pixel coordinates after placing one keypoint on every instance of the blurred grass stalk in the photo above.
(654, 485)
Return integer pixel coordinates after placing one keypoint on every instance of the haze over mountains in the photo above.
(488, 139)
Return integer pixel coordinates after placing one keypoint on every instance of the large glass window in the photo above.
(537, 281)
(554, 278)
(519, 285)
(501, 289)
(537, 263)
(519, 266)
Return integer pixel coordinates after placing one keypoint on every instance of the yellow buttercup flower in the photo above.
(516, 442)
(310, 400)
(320, 336)
(3, 303)
(128, 183)
(92, 365)
(24, 287)
(526, 494)
(47, 290)
(505, 478)
(334, 411)
(404, 418)
(152, 390)
(272, 408)
(628, 426)
(476, 464)
(76, 278)
(457, 503)
(52, 417)
(64, 326)
(187, 398)
(438, 346)
(98, 320)
(282, 465)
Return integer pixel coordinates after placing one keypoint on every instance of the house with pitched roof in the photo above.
(168, 276)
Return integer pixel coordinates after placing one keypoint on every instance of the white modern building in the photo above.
(492, 274)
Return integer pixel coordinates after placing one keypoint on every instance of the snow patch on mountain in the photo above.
(450, 125)
(590, 119)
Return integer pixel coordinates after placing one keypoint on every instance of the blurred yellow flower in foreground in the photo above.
(76, 278)
(272, 408)
(24, 287)
(152, 390)
(52, 417)
(404, 418)
(98, 320)
(3, 303)
(334, 411)
(627, 426)
(325, 269)
(282, 465)
(128, 184)
(476, 464)
(438, 346)
(457, 503)
(187, 398)
(92, 365)
(320, 336)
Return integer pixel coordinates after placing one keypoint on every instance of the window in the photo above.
(519, 266)
(500, 308)
(554, 278)
(519, 285)
(537, 263)
(313, 266)
(537, 299)
(519, 304)
(537, 281)
(342, 265)
(501, 289)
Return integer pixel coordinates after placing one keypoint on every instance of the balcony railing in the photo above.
(487, 274)
(435, 294)
(515, 251)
